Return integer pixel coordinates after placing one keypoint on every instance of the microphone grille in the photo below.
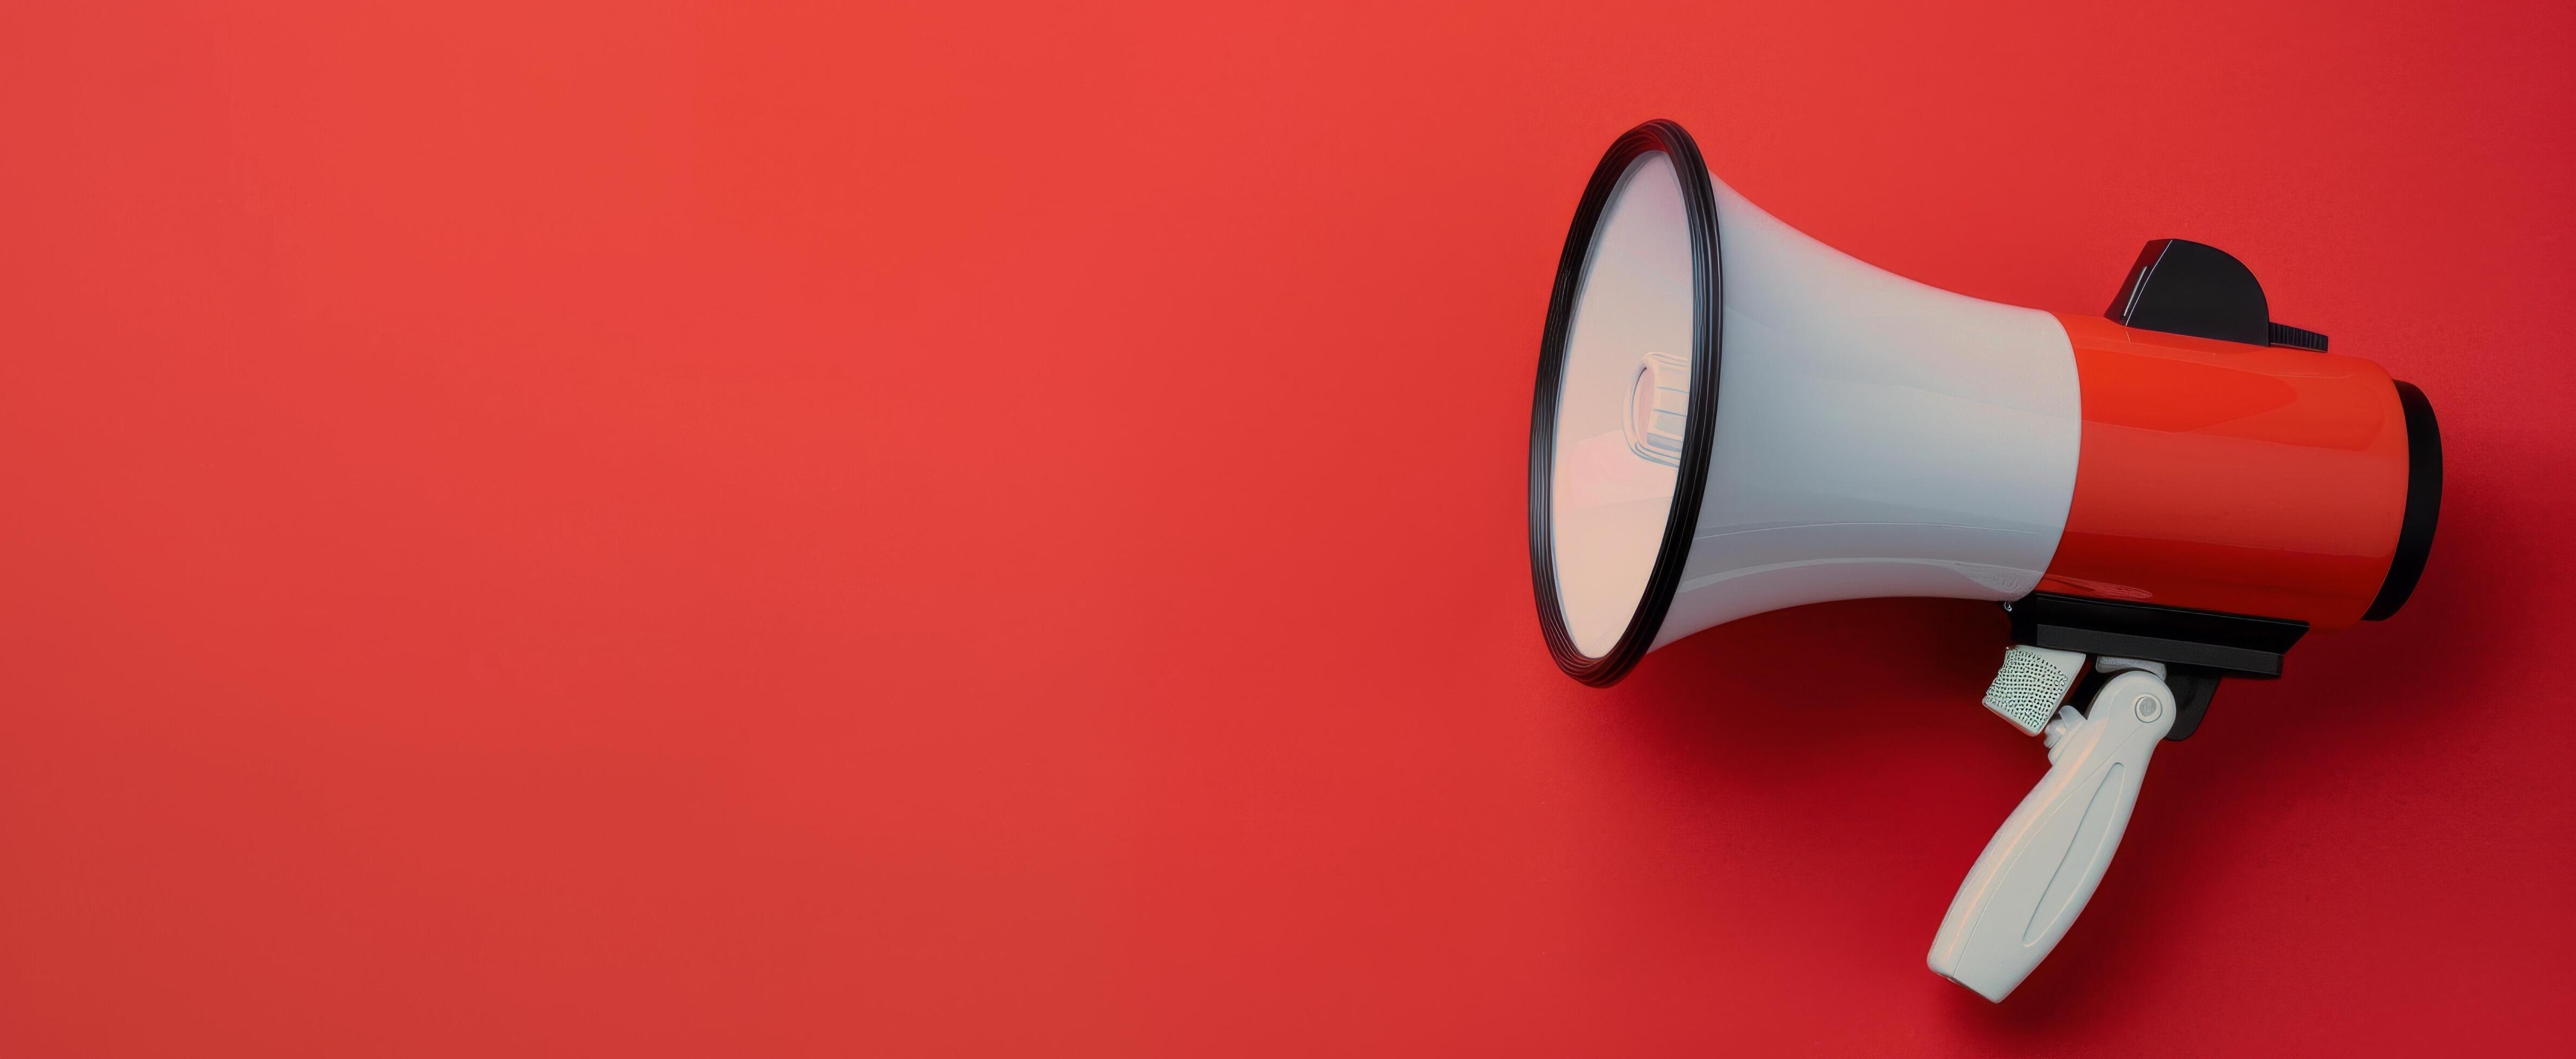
(2033, 681)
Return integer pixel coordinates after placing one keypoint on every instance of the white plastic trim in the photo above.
(1874, 436)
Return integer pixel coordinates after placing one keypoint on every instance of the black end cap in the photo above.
(2423, 504)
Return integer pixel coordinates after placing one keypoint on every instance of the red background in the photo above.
(913, 529)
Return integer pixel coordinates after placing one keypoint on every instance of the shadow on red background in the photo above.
(945, 529)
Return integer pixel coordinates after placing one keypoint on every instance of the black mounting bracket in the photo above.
(2197, 647)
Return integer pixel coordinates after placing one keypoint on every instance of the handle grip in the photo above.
(2043, 864)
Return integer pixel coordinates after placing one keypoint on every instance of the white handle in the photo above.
(2043, 864)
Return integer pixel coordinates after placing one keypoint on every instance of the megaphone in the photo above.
(1733, 418)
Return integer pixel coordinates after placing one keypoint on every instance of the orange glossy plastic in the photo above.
(2254, 480)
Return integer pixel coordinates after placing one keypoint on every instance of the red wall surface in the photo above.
(916, 529)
